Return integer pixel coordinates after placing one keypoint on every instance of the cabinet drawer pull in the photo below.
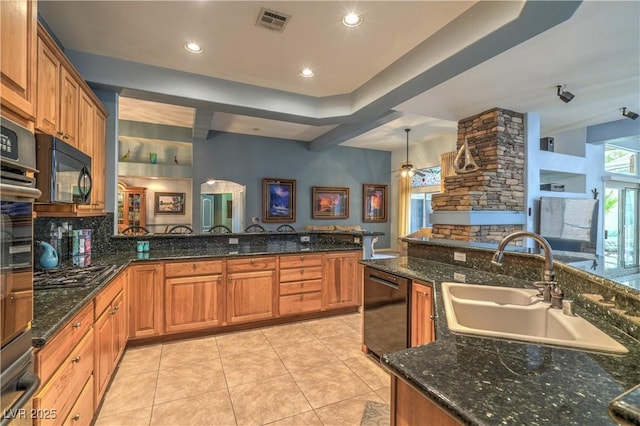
(252, 261)
(76, 359)
(301, 257)
(59, 133)
(77, 325)
(76, 417)
(194, 266)
(424, 293)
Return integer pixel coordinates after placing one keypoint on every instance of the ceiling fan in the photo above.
(407, 168)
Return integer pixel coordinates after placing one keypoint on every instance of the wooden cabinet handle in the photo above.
(77, 325)
(76, 359)
(76, 417)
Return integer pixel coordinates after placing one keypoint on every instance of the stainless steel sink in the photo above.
(518, 314)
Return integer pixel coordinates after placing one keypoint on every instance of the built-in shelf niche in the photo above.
(172, 159)
(573, 182)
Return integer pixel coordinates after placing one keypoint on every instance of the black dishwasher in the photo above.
(386, 313)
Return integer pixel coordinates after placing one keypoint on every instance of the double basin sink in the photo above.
(519, 314)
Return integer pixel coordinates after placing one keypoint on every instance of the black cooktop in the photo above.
(70, 276)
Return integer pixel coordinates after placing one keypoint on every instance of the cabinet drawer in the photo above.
(82, 411)
(300, 274)
(297, 261)
(57, 349)
(251, 264)
(65, 386)
(298, 303)
(187, 269)
(103, 300)
(298, 287)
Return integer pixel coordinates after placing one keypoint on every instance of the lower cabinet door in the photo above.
(103, 355)
(82, 411)
(422, 323)
(193, 303)
(145, 300)
(250, 296)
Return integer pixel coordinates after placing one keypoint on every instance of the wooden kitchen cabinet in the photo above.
(69, 101)
(91, 140)
(48, 89)
(422, 319)
(98, 162)
(193, 295)
(82, 411)
(110, 332)
(340, 280)
(251, 289)
(58, 92)
(63, 390)
(300, 286)
(18, 44)
(86, 123)
(145, 300)
(409, 407)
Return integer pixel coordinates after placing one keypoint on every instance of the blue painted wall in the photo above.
(248, 159)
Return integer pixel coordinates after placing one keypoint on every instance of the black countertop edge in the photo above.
(53, 308)
(248, 234)
(485, 381)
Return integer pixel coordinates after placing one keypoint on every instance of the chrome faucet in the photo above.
(548, 285)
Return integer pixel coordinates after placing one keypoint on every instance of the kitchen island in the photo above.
(485, 381)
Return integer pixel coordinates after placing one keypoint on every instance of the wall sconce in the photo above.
(563, 94)
(629, 114)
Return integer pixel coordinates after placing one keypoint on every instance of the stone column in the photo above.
(487, 203)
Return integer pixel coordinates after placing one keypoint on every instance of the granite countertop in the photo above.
(488, 381)
(53, 308)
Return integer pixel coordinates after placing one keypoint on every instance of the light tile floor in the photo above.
(306, 373)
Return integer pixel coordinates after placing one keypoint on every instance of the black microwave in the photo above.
(65, 172)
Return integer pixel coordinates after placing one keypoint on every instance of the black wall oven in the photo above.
(17, 194)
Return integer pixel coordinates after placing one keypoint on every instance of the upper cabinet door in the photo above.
(48, 101)
(69, 96)
(18, 19)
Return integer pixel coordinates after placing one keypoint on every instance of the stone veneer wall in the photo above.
(496, 141)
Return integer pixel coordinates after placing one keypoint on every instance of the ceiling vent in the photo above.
(272, 20)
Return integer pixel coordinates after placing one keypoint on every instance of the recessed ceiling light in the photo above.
(306, 72)
(352, 20)
(193, 47)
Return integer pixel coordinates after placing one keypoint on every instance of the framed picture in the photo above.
(374, 203)
(329, 202)
(169, 203)
(278, 200)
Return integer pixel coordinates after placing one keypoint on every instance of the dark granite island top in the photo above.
(488, 381)
(53, 308)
